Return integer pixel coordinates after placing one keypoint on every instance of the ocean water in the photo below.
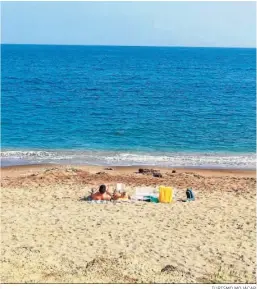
(107, 105)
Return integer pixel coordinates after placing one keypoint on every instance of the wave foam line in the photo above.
(204, 160)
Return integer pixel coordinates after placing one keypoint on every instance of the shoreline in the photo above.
(176, 160)
(134, 169)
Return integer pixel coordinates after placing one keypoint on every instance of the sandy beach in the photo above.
(49, 235)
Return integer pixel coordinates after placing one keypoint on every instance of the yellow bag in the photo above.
(161, 194)
(165, 194)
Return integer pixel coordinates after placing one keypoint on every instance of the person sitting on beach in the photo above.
(101, 195)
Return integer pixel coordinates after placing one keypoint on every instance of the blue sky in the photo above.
(216, 24)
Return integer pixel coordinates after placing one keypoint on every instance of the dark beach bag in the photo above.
(190, 195)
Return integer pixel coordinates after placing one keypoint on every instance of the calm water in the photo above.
(128, 105)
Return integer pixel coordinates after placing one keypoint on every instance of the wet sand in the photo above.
(50, 235)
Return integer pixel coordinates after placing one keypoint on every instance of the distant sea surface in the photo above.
(107, 105)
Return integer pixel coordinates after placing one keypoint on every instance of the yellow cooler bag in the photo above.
(165, 194)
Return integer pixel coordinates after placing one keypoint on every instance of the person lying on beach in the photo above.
(101, 195)
(120, 196)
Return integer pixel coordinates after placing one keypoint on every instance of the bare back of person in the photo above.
(101, 195)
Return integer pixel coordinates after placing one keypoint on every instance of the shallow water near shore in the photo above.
(117, 158)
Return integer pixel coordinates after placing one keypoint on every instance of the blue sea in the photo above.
(111, 105)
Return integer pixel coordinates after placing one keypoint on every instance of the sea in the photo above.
(123, 106)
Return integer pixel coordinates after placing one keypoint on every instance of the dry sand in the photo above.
(50, 235)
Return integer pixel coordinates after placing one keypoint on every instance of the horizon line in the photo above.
(119, 45)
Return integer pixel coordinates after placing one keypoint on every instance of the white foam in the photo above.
(204, 160)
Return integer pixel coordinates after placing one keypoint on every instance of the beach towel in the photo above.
(98, 201)
(144, 194)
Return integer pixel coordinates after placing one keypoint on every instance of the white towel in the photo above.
(142, 192)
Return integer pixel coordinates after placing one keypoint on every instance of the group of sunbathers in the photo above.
(103, 195)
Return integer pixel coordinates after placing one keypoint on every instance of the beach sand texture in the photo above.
(50, 235)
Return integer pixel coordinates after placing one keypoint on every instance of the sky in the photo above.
(215, 24)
